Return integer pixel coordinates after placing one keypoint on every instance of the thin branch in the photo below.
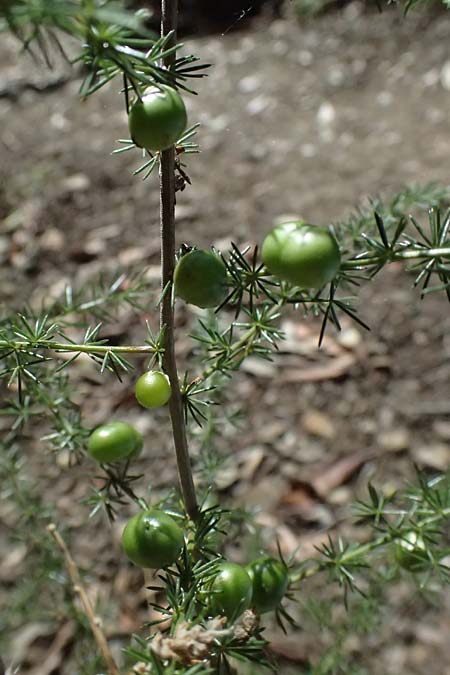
(371, 259)
(22, 345)
(167, 201)
(362, 549)
(94, 621)
(242, 345)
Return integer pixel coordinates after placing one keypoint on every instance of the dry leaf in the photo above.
(337, 473)
(434, 455)
(55, 653)
(24, 637)
(308, 544)
(302, 495)
(10, 566)
(318, 424)
(290, 648)
(331, 370)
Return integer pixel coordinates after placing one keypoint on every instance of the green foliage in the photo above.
(38, 346)
(311, 8)
(42, 565)
(424, 509)
(32, 342)
(114, 41)
(36, 350)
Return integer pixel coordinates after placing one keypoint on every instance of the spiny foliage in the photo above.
(37, 346)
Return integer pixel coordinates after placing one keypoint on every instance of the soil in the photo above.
(298, 118)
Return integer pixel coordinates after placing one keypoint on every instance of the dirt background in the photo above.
(301, 118)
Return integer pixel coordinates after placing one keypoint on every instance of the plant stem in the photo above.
(242, 345)
(372, 259)
(382, 540)
(22, 345)
(169, 11)
(94, 621)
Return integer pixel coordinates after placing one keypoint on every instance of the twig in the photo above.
(167, 201)
(78, 588)
(66, 347)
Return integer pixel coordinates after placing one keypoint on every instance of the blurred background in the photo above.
(311, 108)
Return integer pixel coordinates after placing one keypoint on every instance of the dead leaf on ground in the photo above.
(55, 653)
(307, 495)
(277, 533)
(258, 368)
(394, 440)
(308, 544)
(335, 474)
(274, 530)
(11, 563)
(268, 491)
(331, 370)
(301, 338)
(289, 648)
(24, 637)
(317, 423)
(434, 455)
(241, 466)
(301, 494)
(304, 502)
